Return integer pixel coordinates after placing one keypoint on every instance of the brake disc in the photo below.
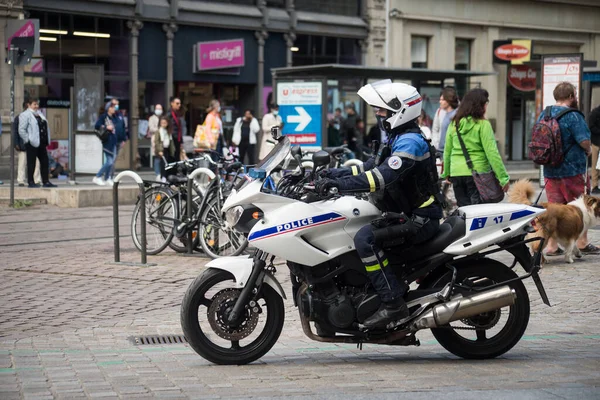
(483, 321)
(219, 310)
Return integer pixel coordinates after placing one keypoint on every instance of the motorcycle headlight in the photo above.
(232, 216)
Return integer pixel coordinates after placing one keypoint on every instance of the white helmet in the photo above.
(402, 101)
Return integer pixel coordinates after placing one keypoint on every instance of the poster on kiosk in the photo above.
(301, 110)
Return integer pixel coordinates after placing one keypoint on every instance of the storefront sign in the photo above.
(300, 107)
(560, 68)
(512, 51)
(23, 28)
(219, 55)
(522, 77)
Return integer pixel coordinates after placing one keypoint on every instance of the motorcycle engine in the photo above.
(340, 311)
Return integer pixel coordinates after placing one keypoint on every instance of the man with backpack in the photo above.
(561, 142)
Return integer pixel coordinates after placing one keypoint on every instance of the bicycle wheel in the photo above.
(216, 239)
(179, 242)
(161, 214)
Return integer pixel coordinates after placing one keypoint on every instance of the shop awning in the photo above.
(335, 71)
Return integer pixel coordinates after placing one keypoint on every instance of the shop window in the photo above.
(462, 54)
(339, 7)
(418, 51)
(311, 50)
(462, 62)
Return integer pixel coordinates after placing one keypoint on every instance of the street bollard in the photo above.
(117, 245)
(190, 199)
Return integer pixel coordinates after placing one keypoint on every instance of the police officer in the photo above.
(402, 180)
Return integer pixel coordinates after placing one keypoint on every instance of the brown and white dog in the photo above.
(563, 222)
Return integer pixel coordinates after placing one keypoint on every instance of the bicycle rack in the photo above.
(117, 244)
(190, 198)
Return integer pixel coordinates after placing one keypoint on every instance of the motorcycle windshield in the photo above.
(276, 156)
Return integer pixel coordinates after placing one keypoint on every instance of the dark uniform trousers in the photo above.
(376, 262)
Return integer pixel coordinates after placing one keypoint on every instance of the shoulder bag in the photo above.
(487, 184)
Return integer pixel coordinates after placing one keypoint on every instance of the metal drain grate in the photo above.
(162, 339)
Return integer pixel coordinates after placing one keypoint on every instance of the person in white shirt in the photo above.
(269, 120)
(436, 128)
(152, 129)
(244, 136)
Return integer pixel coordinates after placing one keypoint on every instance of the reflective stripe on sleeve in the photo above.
(428, 202)
(377, 173)
(355, 170)
(372, 185)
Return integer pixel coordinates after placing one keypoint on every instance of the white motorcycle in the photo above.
(475, 306)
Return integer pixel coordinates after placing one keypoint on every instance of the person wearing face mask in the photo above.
(402, 182)
(269, 120)
(107, 121)
(152, 130)
(35, 133)
(121, 132)
(164, 148)
(244, 136)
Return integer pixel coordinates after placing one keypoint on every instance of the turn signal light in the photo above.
(257, 215)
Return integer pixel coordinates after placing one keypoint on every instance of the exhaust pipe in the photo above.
(460, 307)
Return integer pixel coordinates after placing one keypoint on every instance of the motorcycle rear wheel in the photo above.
(204, 342)
(515, 322)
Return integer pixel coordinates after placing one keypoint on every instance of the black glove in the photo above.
(324, 174)
(322, 187)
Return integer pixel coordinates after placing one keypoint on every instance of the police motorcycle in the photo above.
(475, 306)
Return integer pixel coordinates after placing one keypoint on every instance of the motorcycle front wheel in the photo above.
(204, 312)
(491, 334)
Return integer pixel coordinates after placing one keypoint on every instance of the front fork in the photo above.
(252, 287)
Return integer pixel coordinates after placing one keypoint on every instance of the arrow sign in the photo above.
(302, 119)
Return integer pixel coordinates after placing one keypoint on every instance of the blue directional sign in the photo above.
(300, 108)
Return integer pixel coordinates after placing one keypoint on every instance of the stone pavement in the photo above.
(67, 316)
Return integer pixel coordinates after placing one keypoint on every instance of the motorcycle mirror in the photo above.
(321, 158)
(296, 151)
(275, 133)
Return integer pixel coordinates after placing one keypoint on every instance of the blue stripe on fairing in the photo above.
(293, 225)
(520, 214)
(478, 223)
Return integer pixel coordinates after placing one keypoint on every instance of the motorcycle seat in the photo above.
(452, 229)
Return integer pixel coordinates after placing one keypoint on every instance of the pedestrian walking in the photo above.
(567, 181)
(122, 135)
(213, 126)
(107, 121)
(164, 148)
(244, 136)
(424, 128)
(594, 123)
(449, 103)
(153, 121)
(269, 121)
(176, 122)
(22, 155)
(436, 127)
(470, 127)
(350, 132)
(35, 134)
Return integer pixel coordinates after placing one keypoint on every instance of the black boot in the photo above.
(387, 313)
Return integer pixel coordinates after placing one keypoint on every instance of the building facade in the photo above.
(151, 50)
(459, 35)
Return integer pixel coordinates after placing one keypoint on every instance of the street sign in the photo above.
(301, 109)
(557, 69)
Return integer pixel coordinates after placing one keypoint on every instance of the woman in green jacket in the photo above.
(477, 133)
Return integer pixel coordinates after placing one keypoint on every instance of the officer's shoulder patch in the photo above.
(395, 162)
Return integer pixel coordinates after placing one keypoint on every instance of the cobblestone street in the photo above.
(68, 316)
